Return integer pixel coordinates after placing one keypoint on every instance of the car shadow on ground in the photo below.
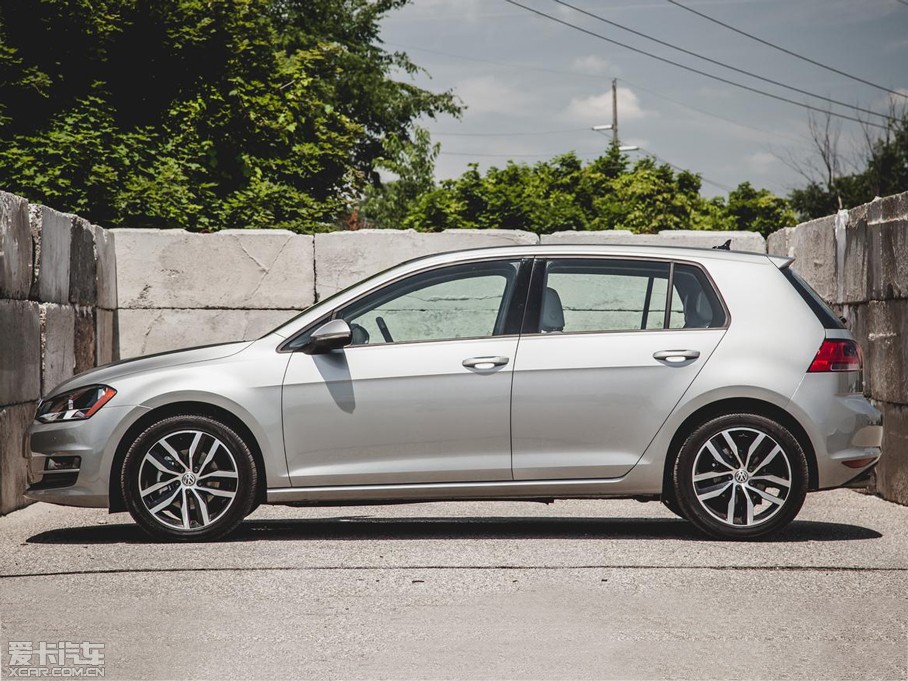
(353, 528)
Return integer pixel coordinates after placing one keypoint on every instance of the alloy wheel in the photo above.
(188, 479)
(742, 477)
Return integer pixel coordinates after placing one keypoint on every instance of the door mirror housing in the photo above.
(334, 335)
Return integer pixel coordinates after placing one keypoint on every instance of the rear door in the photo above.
(608, 349)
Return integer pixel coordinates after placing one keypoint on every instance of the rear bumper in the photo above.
(845, 429)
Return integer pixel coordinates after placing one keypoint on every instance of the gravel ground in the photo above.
(577, 589)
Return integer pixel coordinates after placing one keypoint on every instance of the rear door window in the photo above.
(589, 295)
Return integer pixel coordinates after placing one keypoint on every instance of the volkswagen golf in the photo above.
(717, 382)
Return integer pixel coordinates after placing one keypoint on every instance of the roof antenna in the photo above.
(724, 247)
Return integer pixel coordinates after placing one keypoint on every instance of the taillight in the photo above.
(837, 354)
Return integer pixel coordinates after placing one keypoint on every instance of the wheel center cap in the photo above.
(188, 479)
(741, 476)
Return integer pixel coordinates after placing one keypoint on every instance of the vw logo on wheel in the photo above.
(741, 476)
(188, 479)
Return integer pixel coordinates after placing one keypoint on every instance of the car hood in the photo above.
(110, 372)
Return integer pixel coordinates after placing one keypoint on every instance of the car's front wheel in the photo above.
(189, 478)
(740, 476)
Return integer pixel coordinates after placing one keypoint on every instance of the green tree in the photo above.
(883, 170)
(203, 114)
(758, 210)
(606, 193)
(412, 163)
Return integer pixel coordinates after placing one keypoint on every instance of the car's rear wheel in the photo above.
(669, 502)
(740, 476)
(189, 478)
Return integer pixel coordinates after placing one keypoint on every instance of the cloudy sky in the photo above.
(533, 88)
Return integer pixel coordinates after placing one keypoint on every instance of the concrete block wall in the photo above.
(858, 261)
(740, 241)
(58, 294)
(178, 289)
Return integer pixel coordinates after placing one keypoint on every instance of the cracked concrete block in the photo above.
(861, 250)
(16, 247)
(886, 352)
(344, 258)
(894, 207)
(238, 269)
(58, 358)
(83, 265)
(106, 337)
(20, 351)
(813, 244)
(144, 332)
(857, 318)
(107, 268)
(779, 242)
(889, 265)
(605, 236)
(14, 425)
(52, 232)
(892, 471)
(740, 241)
(84, 345)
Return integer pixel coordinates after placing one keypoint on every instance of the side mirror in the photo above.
(331, 336)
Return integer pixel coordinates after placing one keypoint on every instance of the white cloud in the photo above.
(761, 162)
(597, 109)
(591, 65)
(488, 94)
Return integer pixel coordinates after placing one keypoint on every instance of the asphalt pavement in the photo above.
(576, 589)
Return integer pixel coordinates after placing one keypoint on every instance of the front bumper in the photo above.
(93, 441)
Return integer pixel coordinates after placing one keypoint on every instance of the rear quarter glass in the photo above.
(828, 318)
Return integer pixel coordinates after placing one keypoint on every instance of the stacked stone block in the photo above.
(57, 296)
(179, 289)
(858, 261)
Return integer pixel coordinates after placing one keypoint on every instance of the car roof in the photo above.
(628, 250)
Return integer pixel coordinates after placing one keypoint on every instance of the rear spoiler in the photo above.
(783, 262)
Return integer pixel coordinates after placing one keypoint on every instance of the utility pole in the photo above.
(614, 124)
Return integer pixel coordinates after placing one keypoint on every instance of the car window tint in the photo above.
(450, 303)
(603, 295)
(694, 302)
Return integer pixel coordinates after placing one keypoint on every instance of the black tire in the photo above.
(198, 511)
(746, 493)
(669, 502)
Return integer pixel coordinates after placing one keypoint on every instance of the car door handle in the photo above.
(485, 362)
(676, 355)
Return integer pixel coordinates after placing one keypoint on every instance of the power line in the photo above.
(764, 131)
(686, 170)
(511, 134)
(529, 67)
(716, 62)
(780, 98)
(790, 52)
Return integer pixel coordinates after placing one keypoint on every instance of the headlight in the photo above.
(74, 405)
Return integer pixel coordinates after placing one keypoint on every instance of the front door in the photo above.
(422, 394)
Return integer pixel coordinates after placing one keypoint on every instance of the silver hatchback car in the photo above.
(717, 382)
